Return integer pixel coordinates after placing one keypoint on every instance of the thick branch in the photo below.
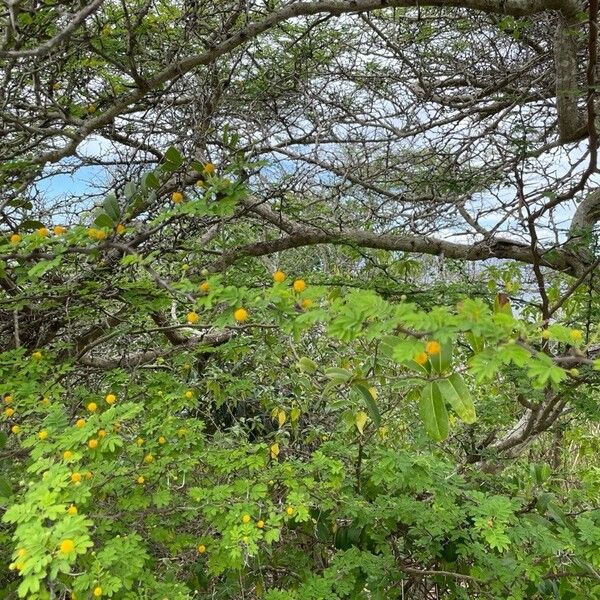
(494, 248)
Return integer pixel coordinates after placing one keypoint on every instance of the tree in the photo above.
(323, 324)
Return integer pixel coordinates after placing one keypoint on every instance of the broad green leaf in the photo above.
(103, 220)
(369, 402)
(111, 207)
(433, 412)
(441, 361)
(457, 395)
(338, 374)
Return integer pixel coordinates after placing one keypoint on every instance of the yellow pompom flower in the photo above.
(110, 399)
(260, 524)
(42, 231)
(101, 433)
(240, 315)
(93, 443)
(67, 455)
(9, 412)
(37, 355)
(92, 407)
(67, 546)
(299, 285)
(162, 439)
(421, 358)
(72, 510)
(433, 347)
(246, 519)
(192, 317)
(120, 229)
(97, 591)
(80, 423)
(59, 230)
(141, 480)
(177, 197)
(43, 435)
(279, 276)
(201, 549)
(204, 287)
(15, 429)
(148, 458)
(209, 168)
(15, 238)
(76, 477)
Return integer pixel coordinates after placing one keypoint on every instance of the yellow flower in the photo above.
(93, 443)
(15, 429)
(299, 285)
(67, 455)
(43, 435)
(576, 335)
(246, 519)
(67, 546)
(307, 303)
(148, 458)
(110, 399)
(15, 238)
(181, 432)
(88, 474)
(290, 510)
(189, 394)
(120, 229)
(80, 423)
(72, 510)
(21, 552)
(8, 399)
(92, 407)
(91, 109)
(9, 412)
(59, 230)
(209, 168)
(433, 347)
(279, 276)
(260, 524)
(204, 287)
(546, 334)
(37, 355)
(162, 440)
(76, 477)
(102, 433)
(97, 591)
(240, 315)
(201, 549)
(45, 401)
(141, 479)
(42, 231)
(139, 441)
(192, 317)
(177, 197)
(421, 358)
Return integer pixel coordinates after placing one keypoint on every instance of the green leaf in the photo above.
(369, 402)
(150, 181)
(103, 220)
(338, 375)
(111, 207)
(441, 361)
(433, 412)
(174, 158)
(457, 395)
